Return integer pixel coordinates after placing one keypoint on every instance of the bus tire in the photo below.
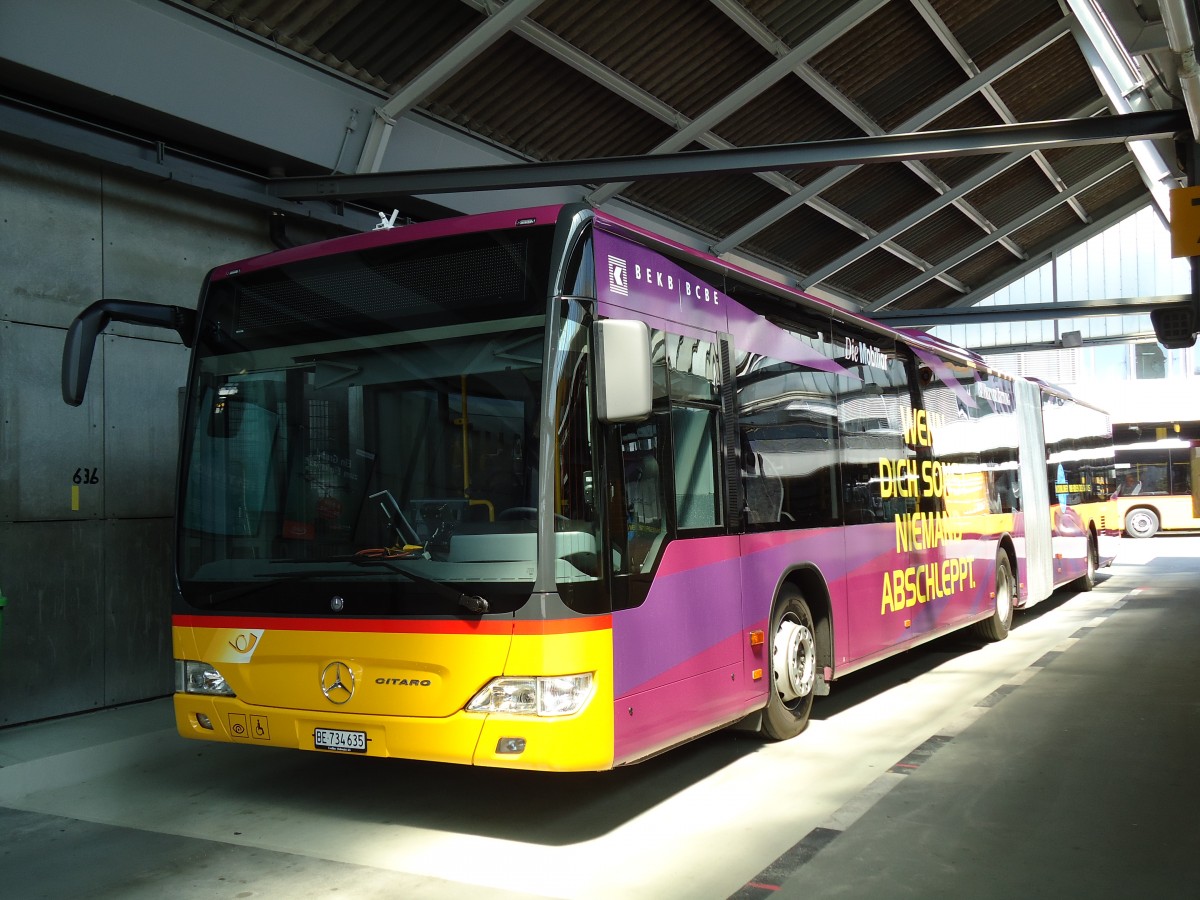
(1087, 580)
(793, 666)
(996, 626)
(1141, 522)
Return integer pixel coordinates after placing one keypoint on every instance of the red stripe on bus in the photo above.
(403, 626)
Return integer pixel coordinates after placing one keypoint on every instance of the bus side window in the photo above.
(879, 445)
(697, 499)
(693, 373)
(645, 495)
(762, 486)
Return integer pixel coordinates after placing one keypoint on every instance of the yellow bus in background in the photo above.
(1154, 486)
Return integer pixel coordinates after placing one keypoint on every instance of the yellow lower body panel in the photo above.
(580, 743)
(284, 677)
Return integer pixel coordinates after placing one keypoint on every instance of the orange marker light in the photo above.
(756, 674)
(756, 638)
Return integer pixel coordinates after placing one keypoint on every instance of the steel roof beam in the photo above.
(494, 27)
(840, 102)
(888, 235)
(988, 92)
(1003, 65)
(1026, 312)
(698, 129)
(1095, 227)
(591, 68)
(887, 148)
(843, 104)
(165, 164)
(851, 224)
(1041, 209)
(791, 61)
(933, 206)
(1120, 82)
(783, 66)
(840, 216)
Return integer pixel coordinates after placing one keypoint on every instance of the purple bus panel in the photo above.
(683, 659)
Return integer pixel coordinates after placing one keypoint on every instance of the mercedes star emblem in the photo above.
(337, 682)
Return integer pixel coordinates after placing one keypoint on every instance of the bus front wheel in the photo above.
(1141, 523)
(793, 666)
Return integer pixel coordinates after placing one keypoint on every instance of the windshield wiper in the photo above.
(470, 602)
(239, 593)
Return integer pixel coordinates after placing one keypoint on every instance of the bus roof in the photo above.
(400, 234)
(548, 215)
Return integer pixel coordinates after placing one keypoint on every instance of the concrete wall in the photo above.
(87, 493)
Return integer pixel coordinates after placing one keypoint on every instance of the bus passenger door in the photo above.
(676, 594)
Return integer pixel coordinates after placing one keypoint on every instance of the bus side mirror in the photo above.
(624, 391)
(81, 336)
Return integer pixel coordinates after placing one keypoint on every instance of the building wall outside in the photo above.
(1121, 367)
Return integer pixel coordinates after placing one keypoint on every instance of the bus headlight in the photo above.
(559, 695)
(193, 677)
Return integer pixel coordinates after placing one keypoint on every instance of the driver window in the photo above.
(693, 375)
(645, 495)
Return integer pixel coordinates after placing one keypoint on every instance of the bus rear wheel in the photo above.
(1141, 523)
(793, 666)
(996, 627)
(1087, 580)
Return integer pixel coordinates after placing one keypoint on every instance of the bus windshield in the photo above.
(347, 427)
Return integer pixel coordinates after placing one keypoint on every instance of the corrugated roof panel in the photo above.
(1043, 230)
(1118, 189)
(879, 195)
(984, 266)
(873, 275)
(1053, 84)
(941, 235)
(1004, 198)
(1074, 163)
(714, 205)
(395, 41)
(931, 295)
(376, 41)
(795, 22)
(973, 112)
(687, 54)
(802, 240)
(1109, 196)
(988, 29)
(528, 100)
(787, 112)
(891, 65)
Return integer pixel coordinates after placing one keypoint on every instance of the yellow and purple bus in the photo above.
(543, 490)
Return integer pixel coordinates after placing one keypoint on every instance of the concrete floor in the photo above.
(1057, 763)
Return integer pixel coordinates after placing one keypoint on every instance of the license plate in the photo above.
(346, 741)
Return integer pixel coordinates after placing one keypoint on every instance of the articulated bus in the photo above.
(1154, 486)
(542, 490)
